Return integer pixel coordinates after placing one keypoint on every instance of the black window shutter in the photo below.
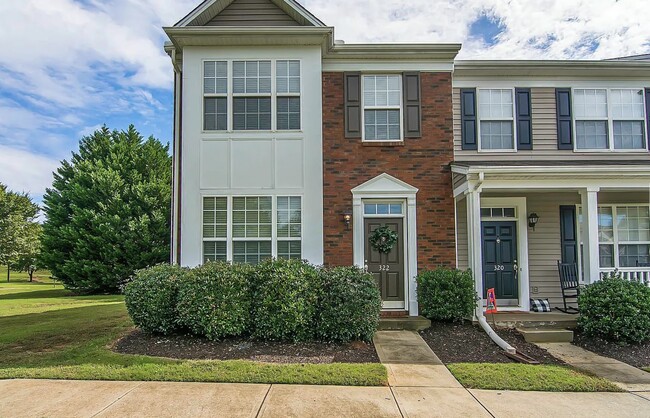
(468, 119)
(564, 123)
(647, 114)
(412, 107)
(568, 236)
(524, 120)
(352, 93)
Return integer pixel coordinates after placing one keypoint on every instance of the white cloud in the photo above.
(24, 171)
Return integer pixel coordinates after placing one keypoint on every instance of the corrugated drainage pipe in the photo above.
(490, 332)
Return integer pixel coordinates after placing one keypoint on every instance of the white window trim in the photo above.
(274, 225)
(615, 242)
(513, 119)
(610, 123)
(231, 96)
(364, 107)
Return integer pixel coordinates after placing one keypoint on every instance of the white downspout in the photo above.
(479, 306)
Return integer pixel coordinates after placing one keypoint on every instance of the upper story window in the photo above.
(251, 95)
(496, 119)
(602, 114)
(382, 107)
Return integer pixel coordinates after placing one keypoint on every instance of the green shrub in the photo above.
(616, 309)
(284, 295)
(349, 303)
(215, 301)
(151, 298)
(446, 295)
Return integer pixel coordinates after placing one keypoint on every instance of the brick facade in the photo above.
(422, 163)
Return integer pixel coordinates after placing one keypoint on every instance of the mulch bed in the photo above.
(194, 348)
(634, 355)
(467, 343)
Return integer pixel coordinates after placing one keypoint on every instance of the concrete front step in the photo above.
(409, 323)
(546, 335)
(555, 320)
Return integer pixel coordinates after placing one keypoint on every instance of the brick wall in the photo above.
(423, 163)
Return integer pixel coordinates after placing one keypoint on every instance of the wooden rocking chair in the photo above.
(570, 284)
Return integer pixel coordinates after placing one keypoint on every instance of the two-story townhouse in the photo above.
(291, 144)
(288, 143)
(551, 164)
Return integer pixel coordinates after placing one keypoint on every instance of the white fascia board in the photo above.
(541, 68)
(578, 170)
(420, 52)
(335, 65)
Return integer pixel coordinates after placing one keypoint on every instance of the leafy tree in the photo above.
(29, 260)
(17, 222)
(108, 211)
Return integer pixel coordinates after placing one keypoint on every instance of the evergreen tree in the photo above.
(108, 211)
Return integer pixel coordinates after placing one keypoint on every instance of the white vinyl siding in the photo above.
(382, 107)
(609, 119)
(496, 119)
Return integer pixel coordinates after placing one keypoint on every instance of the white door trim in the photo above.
(519, 203)
(387, 187)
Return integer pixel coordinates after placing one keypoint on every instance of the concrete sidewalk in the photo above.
(70, 399)
(623, 375)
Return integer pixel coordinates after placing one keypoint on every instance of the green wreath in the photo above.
(383, 239)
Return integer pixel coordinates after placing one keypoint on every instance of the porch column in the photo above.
(474, 239)
(590, 253)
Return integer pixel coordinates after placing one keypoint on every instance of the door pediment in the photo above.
(385, 184)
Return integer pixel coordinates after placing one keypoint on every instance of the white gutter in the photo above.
(479, 304)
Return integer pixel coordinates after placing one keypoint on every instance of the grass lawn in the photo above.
(48, 333)
(512, 376)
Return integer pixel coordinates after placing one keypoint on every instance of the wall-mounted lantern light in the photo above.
(533, 218)
(347, 218)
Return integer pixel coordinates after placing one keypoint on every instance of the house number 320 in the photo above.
(499, 267)
(383, 267)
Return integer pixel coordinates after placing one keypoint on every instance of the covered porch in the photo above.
(515, 221)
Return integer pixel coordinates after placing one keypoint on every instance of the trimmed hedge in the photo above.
(284, 295)
(446, 294)
(349, 303)
(214, 300)
(151, 298)
(616, 309)
(277, 300)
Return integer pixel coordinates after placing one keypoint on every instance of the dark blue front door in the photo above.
(500, 261)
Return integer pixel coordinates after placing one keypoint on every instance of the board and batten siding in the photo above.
(544, 126)
(252, 13)
(544, 249)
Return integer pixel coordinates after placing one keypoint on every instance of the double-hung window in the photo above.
(496, 119)
(259, 95)
(623, 235)
(250, 229)
(382, 107)
(602, 115)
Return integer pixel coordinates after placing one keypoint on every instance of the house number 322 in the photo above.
(383, 267)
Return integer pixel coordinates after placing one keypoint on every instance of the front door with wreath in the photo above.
(384, 255)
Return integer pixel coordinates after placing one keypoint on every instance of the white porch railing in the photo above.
(631, 273)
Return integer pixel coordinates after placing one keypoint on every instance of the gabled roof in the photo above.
(209, 9)
(384, 183)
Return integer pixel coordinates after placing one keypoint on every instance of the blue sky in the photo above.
(71, 66)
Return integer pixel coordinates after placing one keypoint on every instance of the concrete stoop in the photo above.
(408, 323)
(546, 335)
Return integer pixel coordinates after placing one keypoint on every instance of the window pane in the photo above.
(629, 135)
(215, 77)
(215, 116)
(290, 250)
(382, 90)
(606, 253)
(382, 125)
(288, 77)
(252, 77)
(251, 218)
(251, 113)
(252, 252)
(288, 113)
(633, 223)
(591, 135)
(289, 217)
(496, 135)
(590, 103)
(495, 104)
(630, 255)
(215, 217)
(214, 251)
(605, 224)
(627, 103)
